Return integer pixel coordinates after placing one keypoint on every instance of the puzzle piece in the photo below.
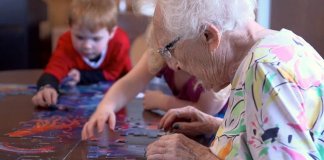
(29, 157)
(121, 140)
(93, 155)
(116, 150)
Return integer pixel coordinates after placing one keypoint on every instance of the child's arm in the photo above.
(48, 79)
(90, 77)
(208, 102)
(130, 85)
(117, 97)
(47, 93)
(57, 68)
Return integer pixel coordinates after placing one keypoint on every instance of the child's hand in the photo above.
(103, 114)
(155, 100)
(45, 97)
(74, 76)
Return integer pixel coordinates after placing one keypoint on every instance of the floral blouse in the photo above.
(276, 103)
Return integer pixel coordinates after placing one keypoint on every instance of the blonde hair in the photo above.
(94, 14)
(155, 61)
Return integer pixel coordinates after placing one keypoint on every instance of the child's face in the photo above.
(89, 44)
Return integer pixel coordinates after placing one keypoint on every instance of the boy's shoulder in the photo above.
(120, 31)
(65, 37)
(120, 35)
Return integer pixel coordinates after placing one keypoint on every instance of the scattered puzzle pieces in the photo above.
(120, 147)
(115, 151)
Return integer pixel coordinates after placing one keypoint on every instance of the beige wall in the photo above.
(304, 17)
(58, 12)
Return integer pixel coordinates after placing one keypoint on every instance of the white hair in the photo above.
(187, 18)
(144, 7)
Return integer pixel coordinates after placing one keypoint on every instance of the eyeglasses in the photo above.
(166, 51)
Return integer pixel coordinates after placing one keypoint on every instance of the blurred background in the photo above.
(29, 28)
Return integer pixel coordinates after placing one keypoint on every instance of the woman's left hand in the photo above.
(177, 146)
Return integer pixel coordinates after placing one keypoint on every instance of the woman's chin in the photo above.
(208, 86)
(215, 88)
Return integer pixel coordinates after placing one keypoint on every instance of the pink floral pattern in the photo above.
(276, 103)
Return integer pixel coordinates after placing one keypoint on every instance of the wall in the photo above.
(304, 17)
(57, 12)
(20, 45)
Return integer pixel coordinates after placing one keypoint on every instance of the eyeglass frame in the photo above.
(166, 51)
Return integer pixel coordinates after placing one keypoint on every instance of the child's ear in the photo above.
(212, 36)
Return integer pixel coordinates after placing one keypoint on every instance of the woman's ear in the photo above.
(212, 36)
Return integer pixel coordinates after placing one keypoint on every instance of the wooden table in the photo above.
(18, 114)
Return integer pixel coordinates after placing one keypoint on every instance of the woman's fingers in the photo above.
(177, 115)
(188, 128)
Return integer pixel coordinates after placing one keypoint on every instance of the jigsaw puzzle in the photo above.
(51, 127)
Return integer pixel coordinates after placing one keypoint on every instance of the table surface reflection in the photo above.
(28, 132)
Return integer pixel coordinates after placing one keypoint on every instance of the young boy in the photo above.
(94, 50)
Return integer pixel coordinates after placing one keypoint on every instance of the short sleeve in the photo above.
(279, 114)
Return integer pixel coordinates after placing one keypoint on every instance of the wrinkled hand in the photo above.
(74, 76)
(155, 100)
(189, 121)
(45, 97)
(98, 120)
(177, 146)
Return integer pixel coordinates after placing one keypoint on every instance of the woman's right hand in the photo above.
(97, 122)
(190, 121)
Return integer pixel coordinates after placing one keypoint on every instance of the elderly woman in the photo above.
(276, 104)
